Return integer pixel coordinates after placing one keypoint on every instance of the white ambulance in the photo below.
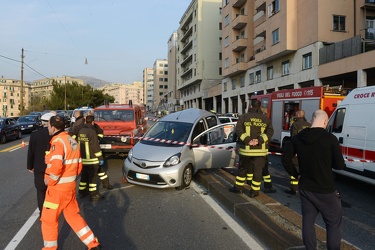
(353, 123)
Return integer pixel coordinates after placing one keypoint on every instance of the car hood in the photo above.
(155, 153)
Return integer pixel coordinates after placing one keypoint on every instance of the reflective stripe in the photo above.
(267, 178)
(67, 179)
(100, 135)
(83, 231)
(255, 185)
(253, 152)
(51, 205)
(56, 157)
(50, 243)
(89, 239)
(98, 154)
(87, 150)
(265, 137)
(54, 177)
(243, 136)
(72, 161)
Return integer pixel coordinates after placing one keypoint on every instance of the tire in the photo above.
(3, 138)
(187, 177)
(19, 136)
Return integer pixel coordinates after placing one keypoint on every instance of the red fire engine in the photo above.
(281, 107)
(122, 124)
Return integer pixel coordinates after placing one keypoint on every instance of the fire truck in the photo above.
(281, 107)
(122, 125)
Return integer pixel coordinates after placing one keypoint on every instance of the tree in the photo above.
(76, 96)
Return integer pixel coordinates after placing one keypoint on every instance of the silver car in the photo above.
(177, 146)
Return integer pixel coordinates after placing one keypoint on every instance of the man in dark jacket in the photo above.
(91, 155)
(318, 151)
(38, 145)
(299, 123)
(253, 130)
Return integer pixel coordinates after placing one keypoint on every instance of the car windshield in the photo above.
(164, 130)
(114, 115)
(26, 119)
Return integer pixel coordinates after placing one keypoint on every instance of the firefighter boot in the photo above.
(253, 193)
(106, 184)
(268, 188)
(235, 190)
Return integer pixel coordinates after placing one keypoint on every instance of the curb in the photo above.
(275, 226)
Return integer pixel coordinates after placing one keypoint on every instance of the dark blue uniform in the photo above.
(38, 145)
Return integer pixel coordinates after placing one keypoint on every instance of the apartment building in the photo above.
(283, 44)
(198, 58)
(172, 96)
(10, 95)
(148, 87)
(160, 69)
(123, 93)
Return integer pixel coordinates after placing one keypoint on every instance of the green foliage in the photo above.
(76, 96)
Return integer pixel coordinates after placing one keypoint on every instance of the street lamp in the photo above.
(65, 93)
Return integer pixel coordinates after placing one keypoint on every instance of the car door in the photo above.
(8, 128)
(214, 148)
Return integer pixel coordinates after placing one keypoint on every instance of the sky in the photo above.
(117, 38)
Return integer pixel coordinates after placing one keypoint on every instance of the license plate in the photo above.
(142, 176)
(22, 128)
(105, 146)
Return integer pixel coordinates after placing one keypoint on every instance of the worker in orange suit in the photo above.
(63, 166)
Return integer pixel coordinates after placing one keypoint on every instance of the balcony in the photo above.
(239, 45)
(235, 69)
(238, 3)
(187, 34)
(187, 70)
(186, 59)
(239, 22)
(187, 46)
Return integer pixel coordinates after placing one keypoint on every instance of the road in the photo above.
(130, 217)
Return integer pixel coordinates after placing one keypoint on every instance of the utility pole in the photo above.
(65, 92)
(21, 92)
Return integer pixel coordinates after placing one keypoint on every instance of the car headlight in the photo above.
(130, 155)
(172, 161)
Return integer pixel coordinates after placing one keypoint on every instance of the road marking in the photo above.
(242, 233)
(15, 147)
(23, 231)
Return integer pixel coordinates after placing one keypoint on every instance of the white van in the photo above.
(177, 146)
(353, 123)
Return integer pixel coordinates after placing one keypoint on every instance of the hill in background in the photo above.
(94, 82)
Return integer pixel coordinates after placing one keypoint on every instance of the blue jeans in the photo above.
(329, 205)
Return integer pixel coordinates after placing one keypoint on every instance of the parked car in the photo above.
(29, 123)
(226, 119)
(9, 129)
(66, 117)
(174, 153)
(36, 113)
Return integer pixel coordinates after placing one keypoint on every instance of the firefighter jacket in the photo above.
(253, 125)
(298, 124)
(90, 149)
(63, 162)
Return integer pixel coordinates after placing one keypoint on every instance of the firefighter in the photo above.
(298, 125)
(92, 157)
(74, 131)
(253, 130)
(63, 166)
(267, 181)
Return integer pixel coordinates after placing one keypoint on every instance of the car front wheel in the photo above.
(3, 138)
(19, 135)
(187, 176)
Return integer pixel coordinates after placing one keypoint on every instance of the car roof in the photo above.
(187, 115)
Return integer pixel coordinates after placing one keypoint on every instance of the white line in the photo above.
(243, 234)
(23, 231)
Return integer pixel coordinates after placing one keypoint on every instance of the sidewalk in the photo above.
(276, 226)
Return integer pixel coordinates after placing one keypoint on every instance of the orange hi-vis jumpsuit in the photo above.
(63, 166)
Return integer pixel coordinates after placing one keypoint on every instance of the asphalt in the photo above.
(274, 225)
